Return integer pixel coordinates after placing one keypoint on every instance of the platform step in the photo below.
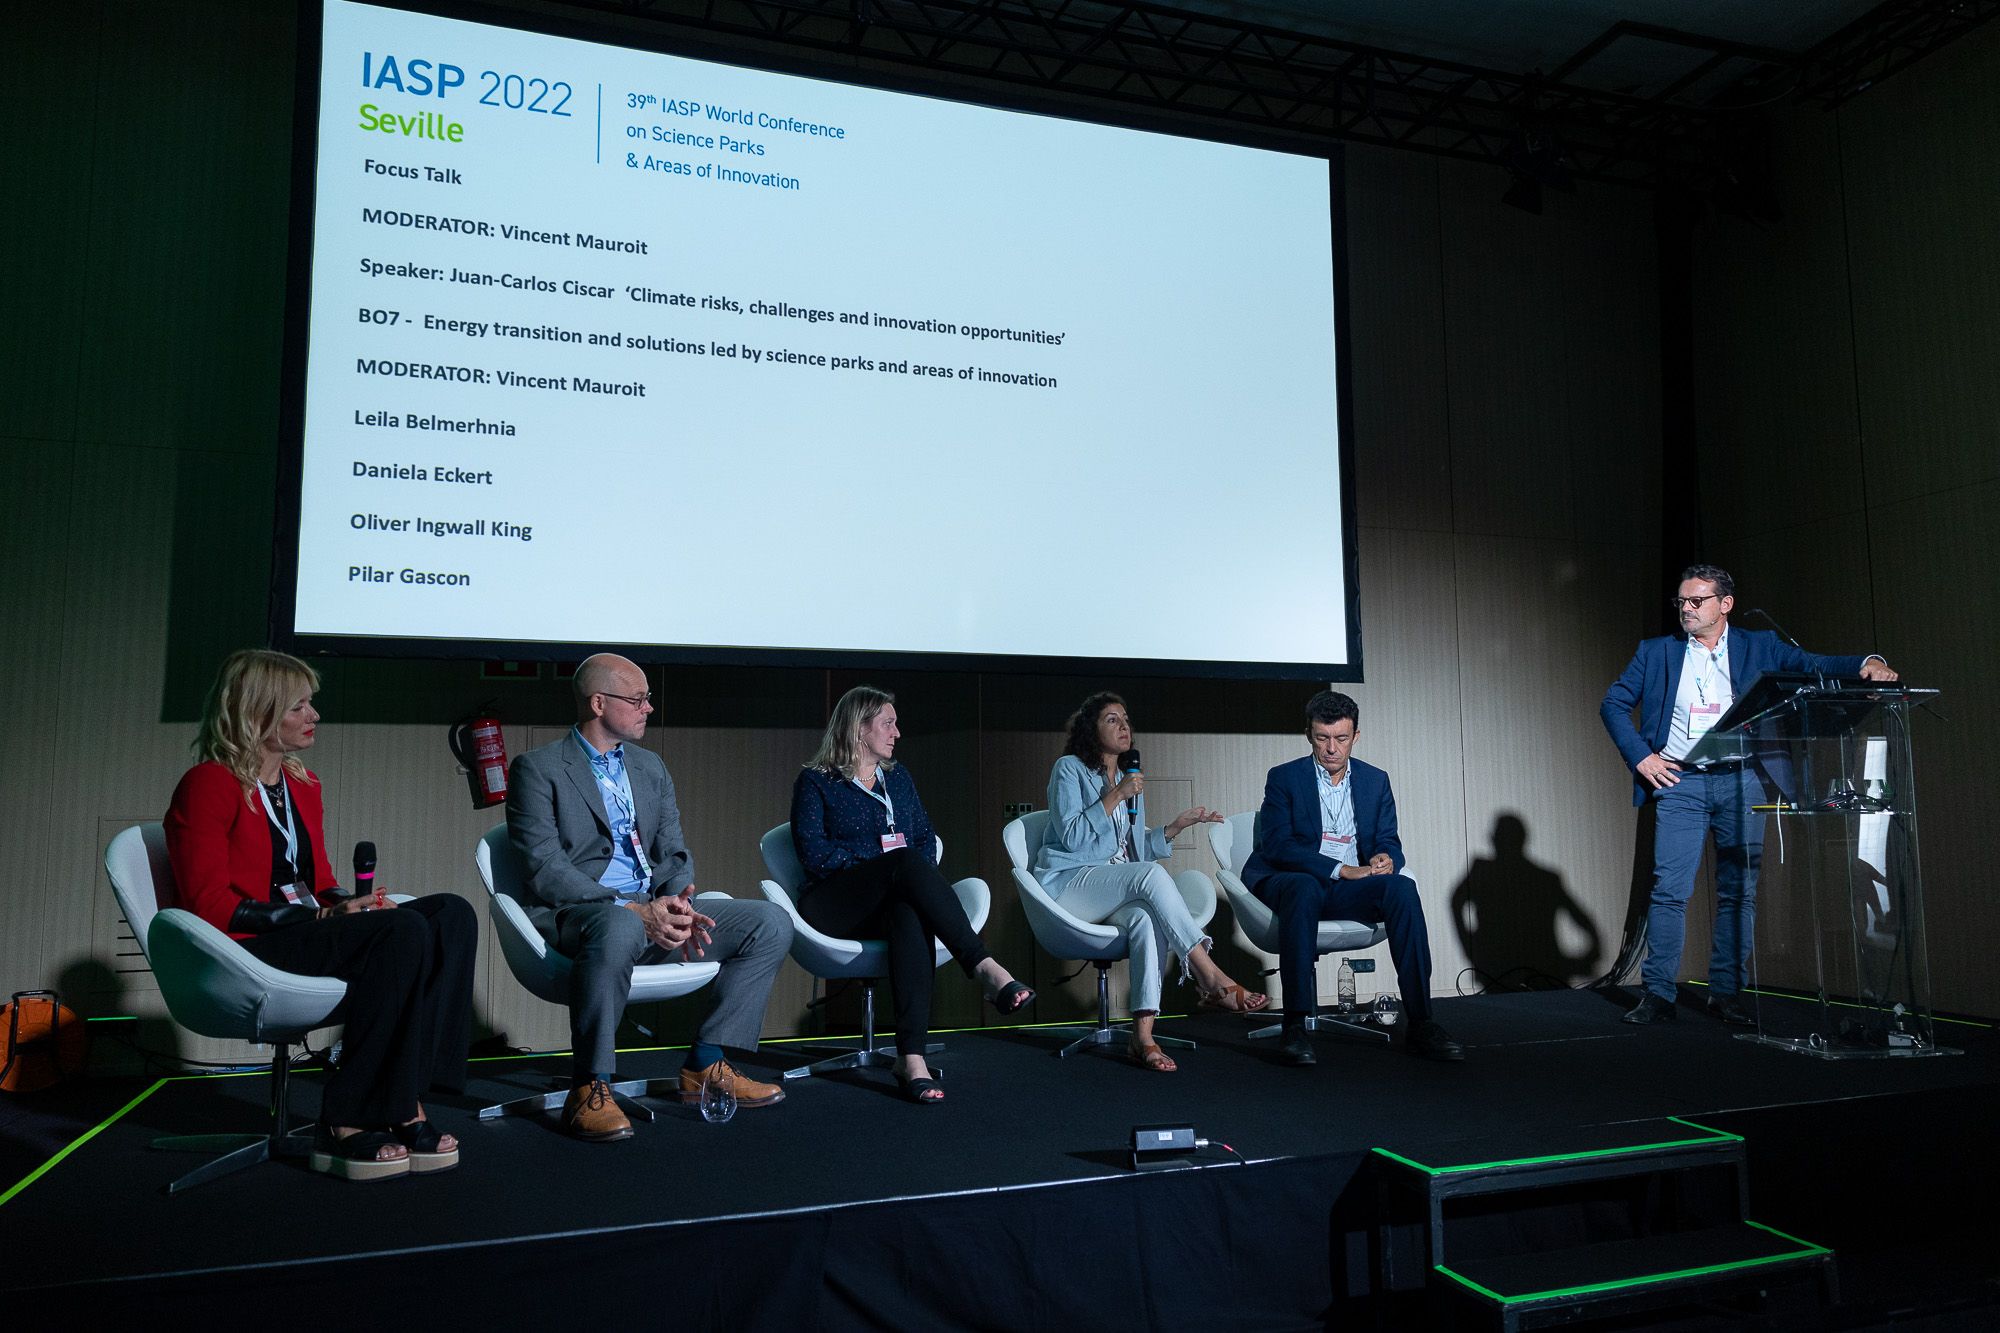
(1516, 1161)
(1650, 1267)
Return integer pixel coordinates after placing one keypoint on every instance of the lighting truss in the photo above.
(1301, 86)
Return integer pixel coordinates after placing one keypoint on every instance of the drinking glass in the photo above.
(718, 1094)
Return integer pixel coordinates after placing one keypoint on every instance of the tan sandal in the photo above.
(1233, 999)
(1150, 1056)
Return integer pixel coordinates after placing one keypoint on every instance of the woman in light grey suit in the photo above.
(1099, 859)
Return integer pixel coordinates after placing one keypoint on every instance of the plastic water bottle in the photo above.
(1344, 987)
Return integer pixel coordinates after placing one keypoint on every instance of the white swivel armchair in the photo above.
(833, 959)
(544, 972)
(1232, 841)
(1072, 939)
(214, 986)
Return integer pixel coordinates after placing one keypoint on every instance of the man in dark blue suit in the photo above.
(1327, 850)
(1682, 684)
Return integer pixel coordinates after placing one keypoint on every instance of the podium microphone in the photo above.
(1772, 621)
(364, 868)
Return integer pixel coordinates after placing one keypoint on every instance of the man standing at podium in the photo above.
(1682, 684)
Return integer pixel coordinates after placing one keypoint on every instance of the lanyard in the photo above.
(883, 796)
(1331, 795)
(621, 799)
(1707, 676)
(1121, 824)
(288, 828)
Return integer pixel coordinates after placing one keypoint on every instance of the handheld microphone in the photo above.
(1129, 763)
(364, 868)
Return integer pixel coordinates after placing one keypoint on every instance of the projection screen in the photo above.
(594, 345)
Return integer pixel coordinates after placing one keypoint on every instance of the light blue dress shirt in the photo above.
(624, 875)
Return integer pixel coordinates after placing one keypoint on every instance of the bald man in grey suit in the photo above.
(594, 817)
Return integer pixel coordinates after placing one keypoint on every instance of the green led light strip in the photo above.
(1712, 1136)
(264, 1071)
(1810, 1250)
(80, 1140)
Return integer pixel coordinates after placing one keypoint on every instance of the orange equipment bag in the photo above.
(42, 1041)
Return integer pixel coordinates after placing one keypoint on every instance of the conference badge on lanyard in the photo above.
(1703, 715)
(628, 816)
(296, 892)
(892, 839)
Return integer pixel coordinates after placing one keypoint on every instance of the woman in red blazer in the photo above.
(248, 847)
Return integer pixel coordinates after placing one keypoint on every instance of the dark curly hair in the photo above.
(1083, 742)
(1330, 706)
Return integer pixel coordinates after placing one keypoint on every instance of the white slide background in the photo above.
(761, 504)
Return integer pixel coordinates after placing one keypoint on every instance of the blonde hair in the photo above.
(251, 693)
(856, 709)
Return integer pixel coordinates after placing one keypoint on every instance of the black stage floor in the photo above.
(1023, 1165)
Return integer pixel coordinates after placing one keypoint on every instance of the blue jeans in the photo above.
(1684, 814)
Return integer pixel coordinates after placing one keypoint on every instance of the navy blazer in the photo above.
(836, 825)
(1652, 681)
(1288, 823)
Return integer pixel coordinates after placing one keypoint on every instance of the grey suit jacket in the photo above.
(556, 821)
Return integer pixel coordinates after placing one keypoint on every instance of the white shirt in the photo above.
(1705, 684)
(1336, 817)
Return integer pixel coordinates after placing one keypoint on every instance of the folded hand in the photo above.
(663, 928)
(696, 929)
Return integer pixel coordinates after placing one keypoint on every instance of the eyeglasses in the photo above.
(1676, 603)
(636, 700)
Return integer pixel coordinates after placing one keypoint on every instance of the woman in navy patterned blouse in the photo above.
(870, 858)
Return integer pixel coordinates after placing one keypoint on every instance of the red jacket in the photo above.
(220, 843)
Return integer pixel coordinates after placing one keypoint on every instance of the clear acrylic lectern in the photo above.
(1840, 901)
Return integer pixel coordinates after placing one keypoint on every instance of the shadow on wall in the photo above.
(93, 990)
(1511, 915)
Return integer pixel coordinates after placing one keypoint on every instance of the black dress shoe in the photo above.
(1430, 1041)
(1295, 1045)
(1652, 1009)
(1730, 1010)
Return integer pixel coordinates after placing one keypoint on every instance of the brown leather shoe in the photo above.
(591, 1113)
(749, 1092)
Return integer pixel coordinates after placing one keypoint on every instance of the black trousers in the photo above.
(409, 1001)
(903, 898)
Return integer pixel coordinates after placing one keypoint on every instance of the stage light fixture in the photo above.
(1535, 158)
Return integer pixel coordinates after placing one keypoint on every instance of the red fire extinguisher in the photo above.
(481, 751)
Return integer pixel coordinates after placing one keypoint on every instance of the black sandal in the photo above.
(354, 1157)
(1013, 997)
(422, 1138)
(918, 1090)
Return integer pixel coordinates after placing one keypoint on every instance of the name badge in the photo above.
(1333, 844)
(1702, 717)
(892, 841)
(294, 893)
